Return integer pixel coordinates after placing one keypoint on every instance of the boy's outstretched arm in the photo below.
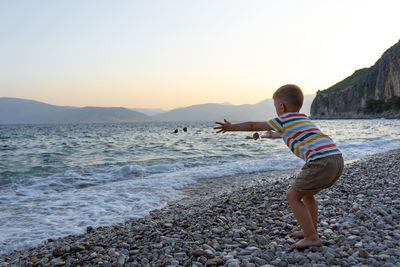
(249, 126)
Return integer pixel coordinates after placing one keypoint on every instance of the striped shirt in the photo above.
(302, 137)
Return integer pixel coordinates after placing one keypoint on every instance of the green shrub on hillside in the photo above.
(394, 103)
(373, 106)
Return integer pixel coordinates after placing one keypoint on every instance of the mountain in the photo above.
(149, 111)
(17, 111)
(97, 115)
(373, 91)
(217, 112)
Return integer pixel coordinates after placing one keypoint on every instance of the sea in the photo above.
(55, 180)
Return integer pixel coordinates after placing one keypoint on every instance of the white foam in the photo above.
(66, 203)
(363, 148)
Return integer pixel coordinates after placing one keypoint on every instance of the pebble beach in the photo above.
(244, 220)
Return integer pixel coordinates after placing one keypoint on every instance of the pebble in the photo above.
(244, 221)
(261, 240)
(363, 253)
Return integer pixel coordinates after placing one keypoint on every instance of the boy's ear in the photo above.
(283, 106)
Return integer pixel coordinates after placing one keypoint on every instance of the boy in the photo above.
(324, 162)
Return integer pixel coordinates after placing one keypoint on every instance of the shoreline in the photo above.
(244, 220)
(358, 116)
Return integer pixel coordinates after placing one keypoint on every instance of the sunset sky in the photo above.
(168, 54)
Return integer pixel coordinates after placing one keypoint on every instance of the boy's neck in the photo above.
(289, 111)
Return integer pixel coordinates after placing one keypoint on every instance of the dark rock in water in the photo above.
(256, 136)
(176, 131)
(89, 229)
(184, 129)
(348, 98)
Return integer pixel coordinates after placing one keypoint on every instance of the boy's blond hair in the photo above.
(291, 95)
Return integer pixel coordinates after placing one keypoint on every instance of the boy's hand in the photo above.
(225, 126)
(271, 134)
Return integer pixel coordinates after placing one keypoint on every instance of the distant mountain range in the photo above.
(17, 111)
(149, 111)
(206, 112)
(22, 111)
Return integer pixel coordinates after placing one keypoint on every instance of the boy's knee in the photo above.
(308, 198)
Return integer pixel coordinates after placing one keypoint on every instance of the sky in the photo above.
(176, 53)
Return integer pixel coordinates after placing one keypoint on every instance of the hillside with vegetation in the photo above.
(368, 92)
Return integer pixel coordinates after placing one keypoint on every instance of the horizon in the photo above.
(168, 55)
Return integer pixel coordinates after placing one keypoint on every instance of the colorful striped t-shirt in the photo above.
(302, 137)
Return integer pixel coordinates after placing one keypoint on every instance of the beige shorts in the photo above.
(318, 174)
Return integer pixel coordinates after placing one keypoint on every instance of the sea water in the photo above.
(56, 180)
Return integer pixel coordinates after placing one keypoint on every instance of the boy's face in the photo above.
(279, 107)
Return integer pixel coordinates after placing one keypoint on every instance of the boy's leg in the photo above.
(311, 205)
(304, 218)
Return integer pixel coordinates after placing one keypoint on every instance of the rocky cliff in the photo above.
(348, 98)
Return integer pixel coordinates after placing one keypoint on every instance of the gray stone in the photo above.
(300, 259)
(207, 247)
(233, 263)
(214, 262)
(381, 211)
(314, 256)
(218, 230)
(209, 254)
(381, 225)
(77, 248)
(202, 259)
(145, 261)
(124, 251)
(112, 252)
(328, 232)
(383, 257)
(57, 262)
(282, 263)
(167, 225)
(58, 251)
(363, 253)
(180, 256)
(198, 252)
(260, 261)
(121, 259)
(261, 240)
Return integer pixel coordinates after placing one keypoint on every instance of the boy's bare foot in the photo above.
(298, 234)
(306, 243)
